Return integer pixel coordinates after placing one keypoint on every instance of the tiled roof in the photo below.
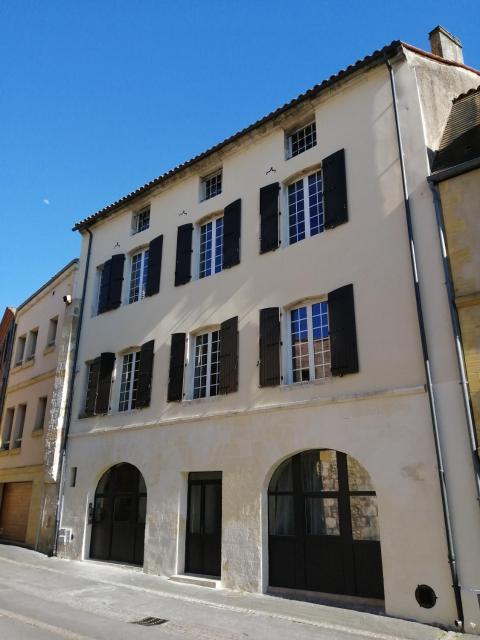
(461, 136)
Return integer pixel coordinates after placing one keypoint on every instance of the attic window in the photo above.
(141, 220)
(211, 185)
(301, 140)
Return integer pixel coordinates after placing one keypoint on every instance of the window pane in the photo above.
(215, 363)
(303, 139)
(211, 247)
(299, 333)
(212, 185)
(358, 477)
(364, 518)
(218, 244)
(321, 340)
(213, 508)
(281, 516)
(319, 471)
(296, 212)
(194, 508)
(138, 277)
(282, 479)
(321, 516)
(200, 370)
(315, 203)
(129, 381)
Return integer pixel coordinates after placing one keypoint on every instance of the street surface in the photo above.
(47, 599)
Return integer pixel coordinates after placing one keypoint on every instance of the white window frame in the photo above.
(143, 273)
(191, 349)
(8, 424)
(198, 245)
(203, 184)
(289, 135)
(287, 351)
(304, 176)
(118, 377)
(52, 334)
(137, 216)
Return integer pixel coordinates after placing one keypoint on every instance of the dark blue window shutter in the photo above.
(269, 214)
(231, 234)
(343, 334)
(155, 250)
(116, 281)
(335, 189)
(228, 374)
(92, 388)
(145, 370)
(107, 361)
(183, 263)
(104, 287)
(177, 366)
(269, 347)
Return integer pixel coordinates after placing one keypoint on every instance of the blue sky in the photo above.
(97, 98)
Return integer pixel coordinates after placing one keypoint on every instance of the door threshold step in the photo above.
(199, 581)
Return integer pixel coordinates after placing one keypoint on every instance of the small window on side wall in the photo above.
(41, 412)
(141, 220)
(20, 352)
(52, 332)
(211, 185)
(301, 140)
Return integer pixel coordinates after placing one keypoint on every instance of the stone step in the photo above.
(199, 581)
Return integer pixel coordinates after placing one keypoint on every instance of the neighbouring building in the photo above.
(34, 411)
(456, 172)
(7, 331)
(267, 384)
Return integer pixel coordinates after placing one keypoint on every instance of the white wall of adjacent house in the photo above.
(380, 416)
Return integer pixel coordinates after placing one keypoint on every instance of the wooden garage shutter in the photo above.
(92, 387)
(228, 375)
(183, 263)
(335, 189)
(155, 250)
(107, 360)
(269, 347)
(269, 214)
(145, 370)
(177, 365)
(231, 234)
(343, 335)
(14, 510)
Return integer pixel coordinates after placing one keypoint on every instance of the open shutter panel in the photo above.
(104, 287)
(184, 254)
(343, 335)
(107, 360)
(269, 217)
(231, 234)
(228, 378)
(335, 189)
(269, 347)
(116, 281)
(155, 250)
(177, 365)
(93, 373)
(145, 369)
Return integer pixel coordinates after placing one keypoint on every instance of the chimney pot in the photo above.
(443, 44)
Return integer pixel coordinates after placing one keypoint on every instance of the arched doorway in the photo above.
(118, 528)
(323, 526)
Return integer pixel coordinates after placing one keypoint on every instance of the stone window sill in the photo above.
(48, 349)
(37, 432)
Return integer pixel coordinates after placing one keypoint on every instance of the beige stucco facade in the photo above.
(37, 376)
(380, 416)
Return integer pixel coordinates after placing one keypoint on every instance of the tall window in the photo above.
(301, 140)
(32, 344)
(41, 411)
(211, 185)
(52, 331)
(305, 207)
(19, 425)
(309, 342)
(141, 220)
(211, 247)
(206, 364)
(21, 342)
(138, 276)
(129, 381)
(7, 428)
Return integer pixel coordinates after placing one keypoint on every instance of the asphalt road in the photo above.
(47, 598)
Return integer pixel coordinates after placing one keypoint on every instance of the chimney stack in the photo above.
(445, 45)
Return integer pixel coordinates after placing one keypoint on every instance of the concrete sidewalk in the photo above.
(125, 594)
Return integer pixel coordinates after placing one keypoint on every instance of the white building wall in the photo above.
(379, 416)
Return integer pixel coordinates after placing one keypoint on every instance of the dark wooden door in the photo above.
(204, 524)
(323, 526)
(15, 508)
(118, 529)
